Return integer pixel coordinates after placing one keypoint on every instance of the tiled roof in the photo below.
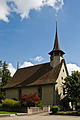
(35, 75)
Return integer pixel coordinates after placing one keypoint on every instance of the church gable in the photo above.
(59, 86)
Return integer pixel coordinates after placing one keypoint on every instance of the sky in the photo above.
(27, 31)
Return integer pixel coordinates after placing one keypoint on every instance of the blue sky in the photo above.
(26, 35)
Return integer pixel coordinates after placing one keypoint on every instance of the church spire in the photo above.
(56, 55)
(56, 43)
(56, 48)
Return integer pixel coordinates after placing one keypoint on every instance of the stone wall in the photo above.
(34, 110)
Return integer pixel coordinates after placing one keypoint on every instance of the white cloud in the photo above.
(12, 69)
(23, 7)
(72, 67)
(37, 59)
(26, 64)
(4, 10)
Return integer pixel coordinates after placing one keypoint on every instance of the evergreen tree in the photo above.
(6, 76)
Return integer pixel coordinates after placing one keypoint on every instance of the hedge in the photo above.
(11, 103)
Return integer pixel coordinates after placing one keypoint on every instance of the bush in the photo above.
(0, 105)
(11, 103)
(78, 106)
(64, 103)
(29, 99)
(69, 112)
(39, 104)
(55, 109)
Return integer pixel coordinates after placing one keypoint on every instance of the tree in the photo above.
(72, 87)
(5, 76)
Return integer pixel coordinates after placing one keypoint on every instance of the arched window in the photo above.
(40, 92)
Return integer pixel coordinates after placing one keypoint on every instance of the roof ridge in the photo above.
(34, 65)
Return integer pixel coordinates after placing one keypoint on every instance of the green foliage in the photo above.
(78, 106)
(6, 76)
(72, 86)
(11, 103)
(0, 105)
(55, 109)
(6, 112)
(39, 104)
(69, 112)
(65, 103)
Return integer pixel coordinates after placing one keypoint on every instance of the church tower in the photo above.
(56, 55)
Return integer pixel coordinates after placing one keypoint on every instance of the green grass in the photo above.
(68, 112)
(5, 112)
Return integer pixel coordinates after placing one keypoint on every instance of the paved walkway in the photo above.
(42, 116)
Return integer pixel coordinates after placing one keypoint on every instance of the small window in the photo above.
(56, 54)
(63, 70)
(62, 78)
(40, 93)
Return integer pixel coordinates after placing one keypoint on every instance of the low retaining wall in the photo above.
(34, 110)
(31, 110)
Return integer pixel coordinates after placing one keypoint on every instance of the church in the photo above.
(44, 79)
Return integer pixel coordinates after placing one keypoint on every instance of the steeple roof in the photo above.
(56, 43)
(56, 47)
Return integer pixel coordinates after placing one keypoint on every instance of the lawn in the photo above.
(5, 112)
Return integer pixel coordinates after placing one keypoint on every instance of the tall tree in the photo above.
(6, 76)
(0, 69)
(72, 87)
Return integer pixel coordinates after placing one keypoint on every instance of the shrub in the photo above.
(69, 112)
(64, 103)
(39, 104)
(0, 105)
(55, 109)
(11, 103)
(72, 112)
(29, 100)
(78, 106)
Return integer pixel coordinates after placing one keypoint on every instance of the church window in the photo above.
(56, 54)
(40, 92)
(63, 70)
(62, 78)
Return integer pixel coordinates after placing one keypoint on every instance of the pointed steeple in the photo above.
(56, 55)
(56, 48)
(56, 43)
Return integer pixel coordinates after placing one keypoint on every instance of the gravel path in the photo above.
(42, 116)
